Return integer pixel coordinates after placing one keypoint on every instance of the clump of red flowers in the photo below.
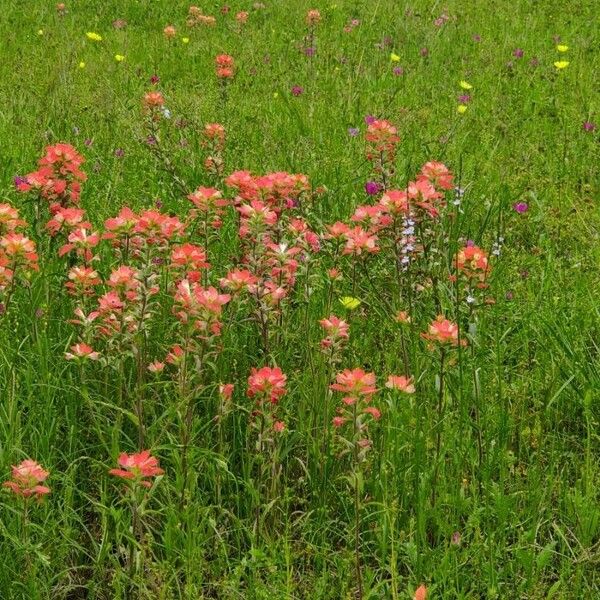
(59, 177)
(472, 262)
(224, 66)
(26, 480)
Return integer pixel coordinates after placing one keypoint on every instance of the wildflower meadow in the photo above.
(299, 300)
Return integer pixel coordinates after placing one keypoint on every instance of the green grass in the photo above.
(517, 475)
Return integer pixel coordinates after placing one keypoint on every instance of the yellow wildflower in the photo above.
(349, 302)
(461, 108)
(394, 57)
(465, 85)
(119, 57)
(95, 37)
(561, 64)
(562, 48)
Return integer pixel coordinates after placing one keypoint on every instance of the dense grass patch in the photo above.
(288, 463)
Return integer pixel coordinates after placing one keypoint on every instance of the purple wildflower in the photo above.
(353, 131)
(310, 51)
(297, 90)
(589, 126)
(518, 53)
(370, 119)
(119, 152)
(372, 188)
(398, 71)
(521, 207)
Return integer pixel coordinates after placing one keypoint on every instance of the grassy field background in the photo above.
(516, 517)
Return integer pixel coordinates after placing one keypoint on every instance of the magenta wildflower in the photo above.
(518, 53)
(372, 188)
(18, 180)
(297, 90)
(398, 71)
(521, 207)
(589, 126)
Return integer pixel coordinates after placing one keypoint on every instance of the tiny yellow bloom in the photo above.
(95, 37)
(562, 48)
(561, 64)
(461, 108)
(275, 94)
(394, 57)
(465, 85)
(40, 32)
(119, 57)
(185, 40)
(82, 65)
(349, 302)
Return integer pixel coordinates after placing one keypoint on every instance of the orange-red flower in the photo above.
(420, 593)
(382, 138)
(26, 480)
(82, 351)
(358, 241)
(153, 100)
(400, 383)
(443, 332)
(354, 383)
(472, 262)
(190, 259)
(9, 219)
(137, 467)
(267, 383)
(238, 280)
(313, 17)
(224, 66)
(437, 174)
